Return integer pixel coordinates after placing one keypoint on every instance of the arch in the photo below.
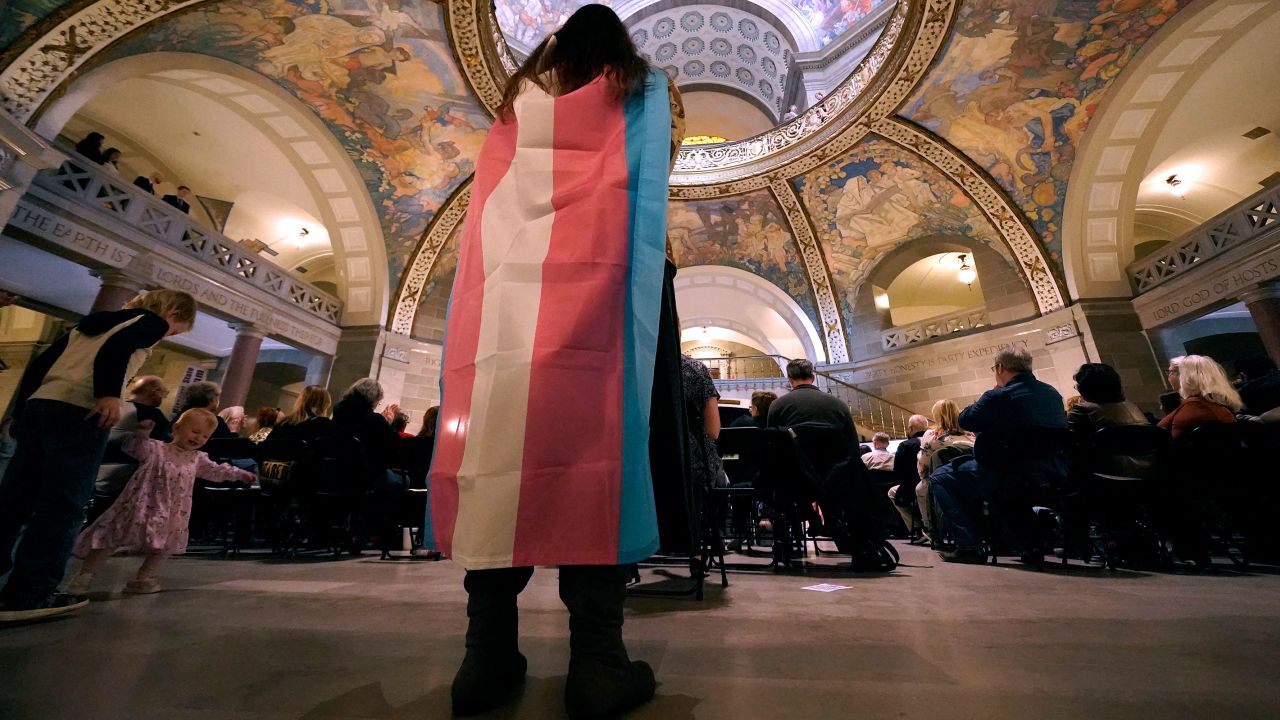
(747, 303)
(334, 184)
(418, 271)
(1111, 160)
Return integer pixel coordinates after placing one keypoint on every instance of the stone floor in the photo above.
(257, 638)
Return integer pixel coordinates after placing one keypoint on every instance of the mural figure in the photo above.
(1018, 83)
(875, 199)
(376, 72)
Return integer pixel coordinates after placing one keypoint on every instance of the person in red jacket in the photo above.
(1207, 396)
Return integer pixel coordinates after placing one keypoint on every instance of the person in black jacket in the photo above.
(68, 399)
(1010, 419)
(206, 395)
(807, 405)
(761, 401)
(148, 183)
(182, 200)
(355, 415)
(309, 418)
(91, 147)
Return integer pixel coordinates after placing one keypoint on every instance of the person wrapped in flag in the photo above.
(542, 445)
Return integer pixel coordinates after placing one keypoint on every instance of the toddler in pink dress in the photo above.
(150, 517)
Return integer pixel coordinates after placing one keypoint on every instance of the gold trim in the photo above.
(418, 271)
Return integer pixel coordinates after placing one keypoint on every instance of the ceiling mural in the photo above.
(528, 21)
(378, 74)
(19, 15)
(1018, 82)
(748, 232)
(832, 17)
(877, 197)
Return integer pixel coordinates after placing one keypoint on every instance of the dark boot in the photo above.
(493, 668)
(603, 681)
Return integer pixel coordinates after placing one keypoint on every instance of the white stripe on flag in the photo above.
(515, 236)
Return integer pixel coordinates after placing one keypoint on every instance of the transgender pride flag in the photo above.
(542, 447)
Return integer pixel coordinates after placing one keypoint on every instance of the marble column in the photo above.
(117, 289)
(1264, 307)
(240, 366)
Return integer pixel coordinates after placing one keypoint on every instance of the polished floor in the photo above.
(358, 638)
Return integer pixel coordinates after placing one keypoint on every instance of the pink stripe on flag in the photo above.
(571, 482)
(462, 338)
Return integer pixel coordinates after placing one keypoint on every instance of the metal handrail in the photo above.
(894, 421)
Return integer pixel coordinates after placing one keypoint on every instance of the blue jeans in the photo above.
(959, 490)
(45, 489)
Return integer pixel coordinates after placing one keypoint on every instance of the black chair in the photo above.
(335, 479)
(798, 459)
(223, 512)
(740, 451)
(1120, 474)
(1221, 472)
(1032, 462)
(279, 465)
(883, 480)
(415, 459)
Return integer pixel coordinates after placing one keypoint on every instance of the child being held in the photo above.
(150, 517)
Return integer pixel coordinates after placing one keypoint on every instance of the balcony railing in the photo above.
(105, 193)
(870, 411)
(1242, 223)
(938, 327)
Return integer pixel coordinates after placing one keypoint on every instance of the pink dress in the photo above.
(152, 512)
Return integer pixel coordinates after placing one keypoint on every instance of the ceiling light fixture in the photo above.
(1175, 185)
(967, 274)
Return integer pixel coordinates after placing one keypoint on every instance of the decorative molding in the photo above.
(442, 227)
(1059, 333)
(816, 268)
(942, 326)
(27, 82)
(988, 196)
(912, 39)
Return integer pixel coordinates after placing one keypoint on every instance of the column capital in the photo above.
(1265, 291)
(111, 277)
(247, 329)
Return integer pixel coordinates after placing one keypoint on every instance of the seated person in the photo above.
(904, 472)
(1259, 385)
(761, 400)
(806, 404)
(942, 441)
(355, 415)
(309, 418)
(1019, 405)
(205, 395)
(399, 423)
(879, 458)
(1207, 397)
(233, 419)
(1102, 405)
(265, 421)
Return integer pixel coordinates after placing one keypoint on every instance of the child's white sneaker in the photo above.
(79, 585)
(144, 586)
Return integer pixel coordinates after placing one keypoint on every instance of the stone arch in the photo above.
(1102, 191)
(749, 304)
(1007, 297)
(325, 168)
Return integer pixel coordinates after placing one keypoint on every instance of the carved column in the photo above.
(1264, 306)
(117, 289)
(240, 366)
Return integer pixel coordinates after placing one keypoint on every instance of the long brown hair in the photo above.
(591, 43)
(314, 401)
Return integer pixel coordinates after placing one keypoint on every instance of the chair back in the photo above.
(277, 462)
(415, 459)
(741, 450)
(224, 449)
(337, 465)
(823, 445)
(1134, 440)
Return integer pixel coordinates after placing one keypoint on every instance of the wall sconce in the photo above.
(967, 274)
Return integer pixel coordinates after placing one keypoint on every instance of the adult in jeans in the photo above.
(542, 454)
(1010, 421)
(68, 399)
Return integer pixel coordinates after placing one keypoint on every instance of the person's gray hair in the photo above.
(366, 388)
(880, 438)
(1015, 360)
(201, 394)
(146, 383)
(917, 423)
(800, 369)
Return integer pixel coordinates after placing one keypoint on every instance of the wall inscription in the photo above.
(218, 298)
(1158, 309)
(936, 361)
(70, 235)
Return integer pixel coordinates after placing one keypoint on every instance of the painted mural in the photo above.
(380, 76)
(832, 17)
(526, 22)
(1019, 82)
(18, 15)
(878, 197)
(748, 232)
